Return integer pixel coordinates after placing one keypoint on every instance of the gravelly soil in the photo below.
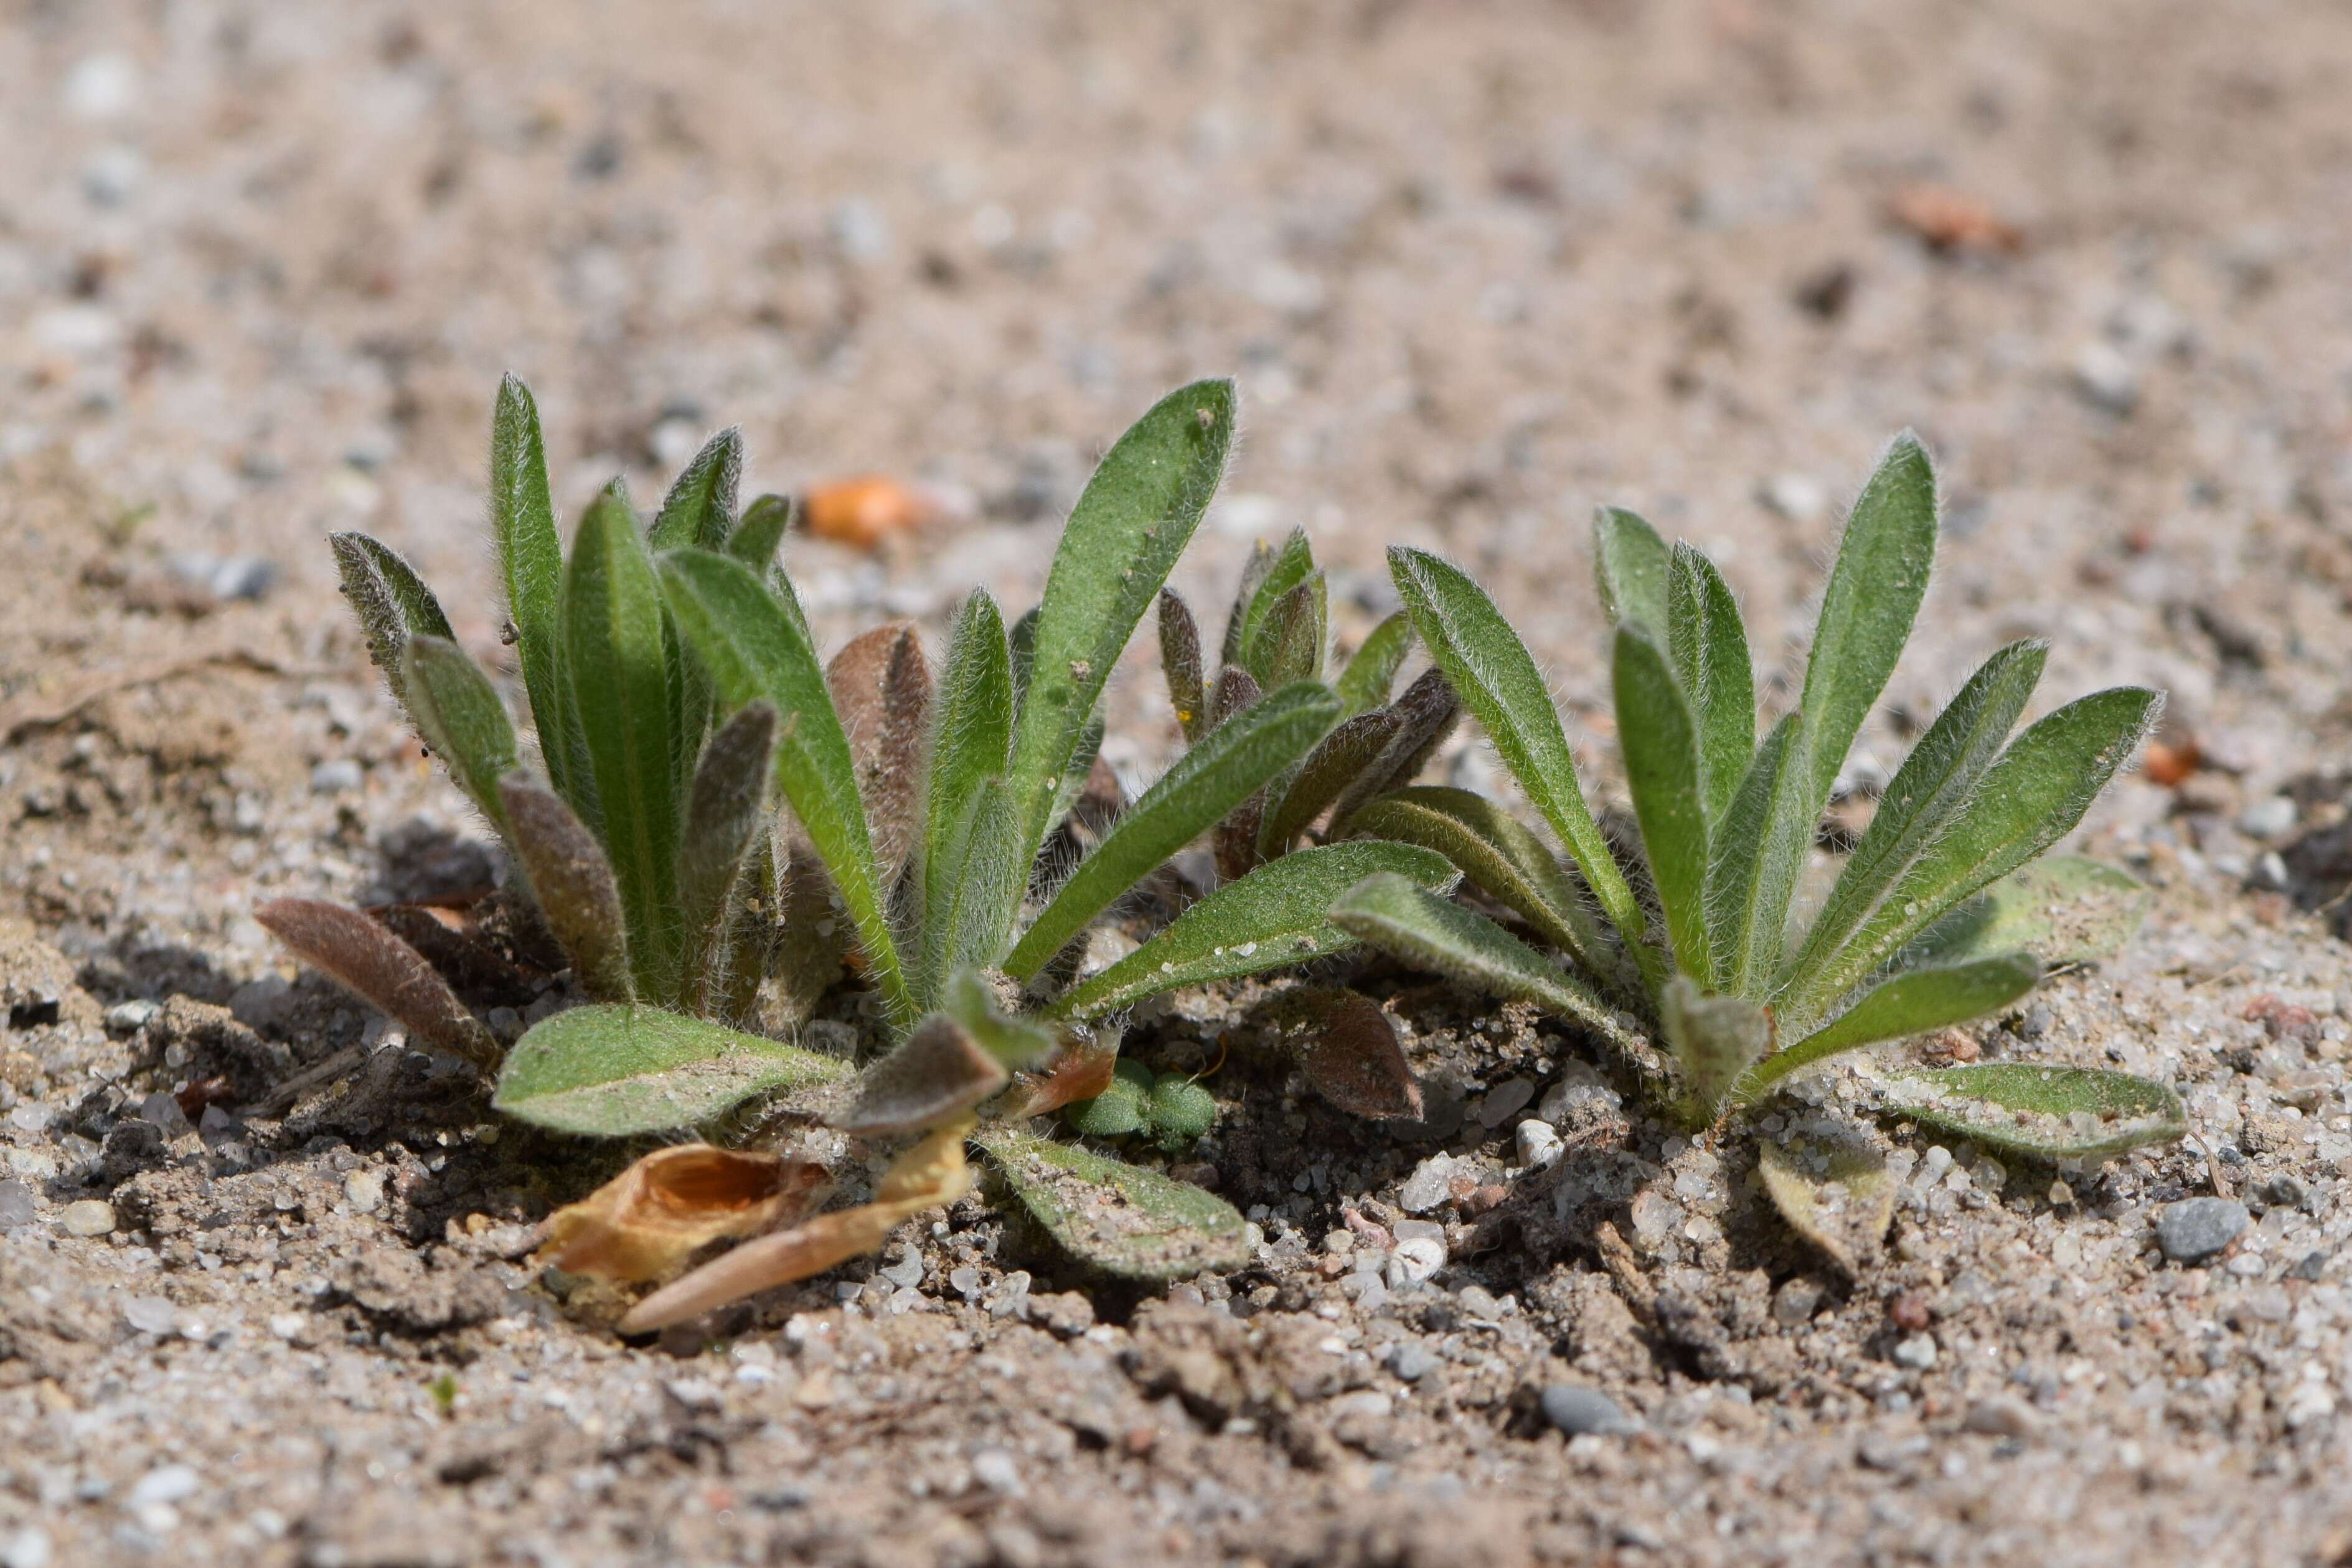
(1478, 268)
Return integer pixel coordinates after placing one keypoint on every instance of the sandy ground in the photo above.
(1478, 267)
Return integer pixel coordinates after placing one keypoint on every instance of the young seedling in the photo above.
(1279, 632)
(673, 678)
(1696, 945)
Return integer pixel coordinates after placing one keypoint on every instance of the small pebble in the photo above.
(335, 776)
(28, 1548)
(89, 1217)
(1578, 1411)
(166, 1483)
(906, 1268)
(365, 1190)
(2001, 1418)
(1506, 1100)
(1794, 1301)
(1918, 1351)
(1539, 1144)
(2106, 379)
(130, 1017)
(1415, 1259)
(1799, 497)
(2197, 1227)
(1413, 1360)
(2272, 818)
(995, 1468)
(17, 1205)
(151, 1315)
(1430, 1185)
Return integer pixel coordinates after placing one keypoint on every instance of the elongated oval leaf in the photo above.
(1497, 680)
(621, 683)
(2064, 909)
(391, 601)
(755, 649)
(1371, 673)
(2045, 1113)
(1226, 768)
(1500, 857)
(701, 506)
(982, 873)
(1417, 924)
(1017, 1042)
(1911, 1002)
(971, 740)
(1179, 664)
(2029, 798)
(1661, 744)
(761, 532)
(1350, 1053)
(1277, 914)
(1757, 852)
(530, 559)
(1421, 719)
(1339, 759)
(363, 956)
(724, 811)
(1292, 638)
(1713, 1038)
(1709, 647)
(1831, 1183)
(1272, 572)
(1133, 520)
(573, 883)
(881, 688)
(1633, 567)
(461, 718)
(1115, 1218)
(1934, 782)
(1874, 594)
(611, 1071)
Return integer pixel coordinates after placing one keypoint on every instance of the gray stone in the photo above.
(1413, 1360)
(17, 1205)
(2197, 1227)
(906, 1268)
(1578, 1411)
(2271, 817)
(151, 1315)
(2000, 1417)
(2106, 379)
(1505, 1101)
(166, 1483)
(130, 1017)
(335, 776)
(1539, 1144)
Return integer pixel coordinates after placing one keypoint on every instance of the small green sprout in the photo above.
(1698, 943)
(1169, 1109)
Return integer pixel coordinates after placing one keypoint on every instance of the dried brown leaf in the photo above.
(882, 688)
(937, 1073)
(651, 1217)
(365, 957)
(1351, 1054)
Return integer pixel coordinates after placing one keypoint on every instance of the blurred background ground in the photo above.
(1478, 267)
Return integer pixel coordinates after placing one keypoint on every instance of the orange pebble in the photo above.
(2168, 764)
(864, 511)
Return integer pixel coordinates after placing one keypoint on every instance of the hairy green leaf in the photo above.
(983, 871)
(1485, 662)
(761, 532)
(1209, 779)
(610, 1071)
(1661, 745)
(364, 958)
(2044, 1112)
(724, 811)
(1270, 574)
(1292, 637)
(1709, 647)
(1757, 853)
(1372, 673)
(573, 883)
(1337, 761)
(1910, 1002)
(971, 741)
(1276, 915)
(754, 648)
(1420, 721)
(1417, 924)
(1934, 782)
(1135, 516)
(459, 713)
(701, 506)
(1179, 663)
(1830, 1182)
(1500, 857)
(1120, 1110)
(1634, 566)
(2027, 800)
(1872, 597)
(1179, 1111)
(391, 601)
(1713, 1038)
(620, 672)
(1015, 1042)
(531, 560)
(2063, 910)
(1115, 1218)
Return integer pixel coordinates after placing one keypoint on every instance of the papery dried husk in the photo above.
(651, 1217)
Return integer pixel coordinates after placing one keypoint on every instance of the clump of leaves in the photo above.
(672, 680)
(1696, 941)
(1278, 635)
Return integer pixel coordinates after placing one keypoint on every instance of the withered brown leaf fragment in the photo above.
(651, 1217)
(930, 1175)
